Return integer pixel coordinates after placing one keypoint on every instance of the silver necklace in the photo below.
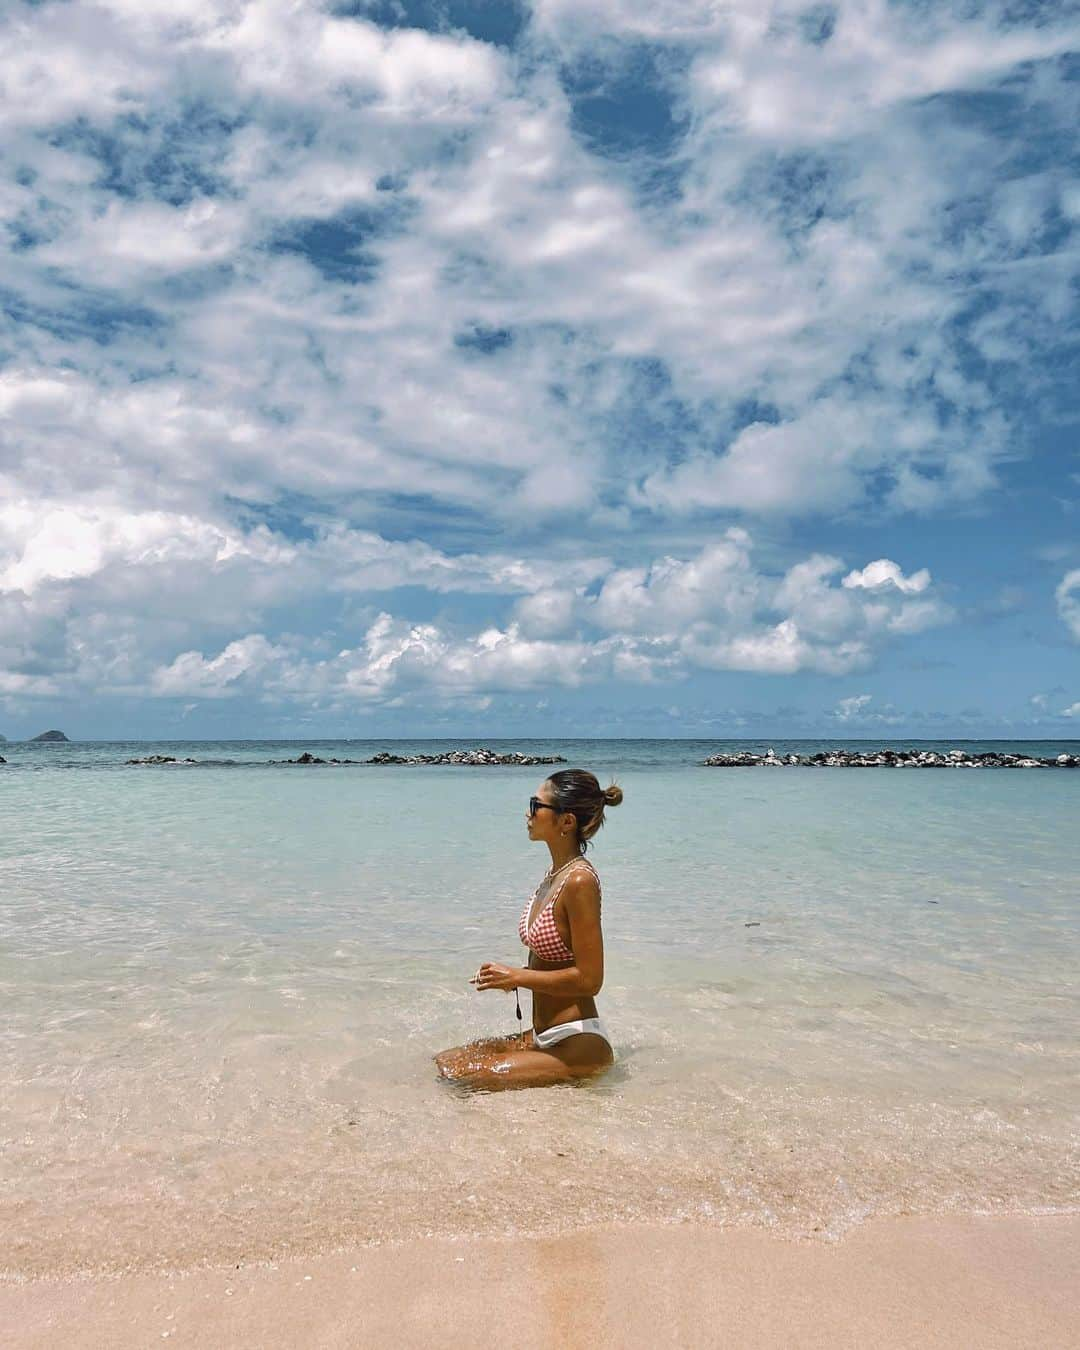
(555, 872)
(548, 876)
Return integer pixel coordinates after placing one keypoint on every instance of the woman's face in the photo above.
(544, 823)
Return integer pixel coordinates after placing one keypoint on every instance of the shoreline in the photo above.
(917, 1281)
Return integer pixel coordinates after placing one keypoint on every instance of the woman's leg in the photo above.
(491, 1071)
(462, 1058)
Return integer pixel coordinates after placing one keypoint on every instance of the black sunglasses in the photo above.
(535, 804)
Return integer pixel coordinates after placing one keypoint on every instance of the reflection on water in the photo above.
(223, 989)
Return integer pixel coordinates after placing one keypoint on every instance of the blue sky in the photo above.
(582, 367)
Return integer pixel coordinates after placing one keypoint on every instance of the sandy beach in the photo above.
(957, 1281)
(548, 519)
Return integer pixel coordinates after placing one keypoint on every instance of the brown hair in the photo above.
(579, 792)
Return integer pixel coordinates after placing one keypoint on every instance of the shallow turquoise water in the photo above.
(223, 986)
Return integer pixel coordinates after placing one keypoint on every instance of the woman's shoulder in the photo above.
(582, 881)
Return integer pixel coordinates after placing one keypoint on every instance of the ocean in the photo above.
(834, 994)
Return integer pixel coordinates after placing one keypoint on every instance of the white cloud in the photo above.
(265, 257)
(48, 77)
(825, 611)
(37, 686)
(851, 707)
(122, 609)
(671, 592)
(769, 81)
(283, 49)
(546, 613)
(506, 220)
(1068, 601)
(192, 674)
(883, 574)
(147, 238)
(780, 650)
(41, 545)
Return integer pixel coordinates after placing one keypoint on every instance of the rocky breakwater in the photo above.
(891, 759)
(481, 755)
(478, 756)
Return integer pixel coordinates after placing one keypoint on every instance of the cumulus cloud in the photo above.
(715, 611)
(347, 258)
(545, 613)
(672, 592)
(40, 545)
(421, 293)
(780, 650)
(856, 711)
(192, 674)
(1068, 601)
(852, 706)
(882, 574)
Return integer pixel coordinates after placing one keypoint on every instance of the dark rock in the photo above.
(2, 760)
(161, 759)
(51, 736)
(308, 758)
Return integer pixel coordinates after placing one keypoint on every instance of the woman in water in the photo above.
(561, 927)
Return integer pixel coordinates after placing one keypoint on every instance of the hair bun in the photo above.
(612, 795)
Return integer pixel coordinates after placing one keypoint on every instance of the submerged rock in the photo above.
(161, 759)
(891, 759)
(308, 758)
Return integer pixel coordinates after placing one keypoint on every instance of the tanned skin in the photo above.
(563, 991)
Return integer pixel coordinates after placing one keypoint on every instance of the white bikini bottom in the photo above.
(561, 1031)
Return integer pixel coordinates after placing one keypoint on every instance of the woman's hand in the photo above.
(493, 976)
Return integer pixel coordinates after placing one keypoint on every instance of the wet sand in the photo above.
(957, 1281)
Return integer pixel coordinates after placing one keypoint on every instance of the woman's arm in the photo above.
(570, 981)
(584, 979)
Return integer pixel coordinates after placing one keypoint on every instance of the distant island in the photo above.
(50, 736)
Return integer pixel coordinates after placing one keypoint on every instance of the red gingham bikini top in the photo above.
(543, 937)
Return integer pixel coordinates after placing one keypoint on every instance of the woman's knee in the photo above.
(463, 1060)
(486, 1045)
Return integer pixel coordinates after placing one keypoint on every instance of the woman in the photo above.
(561, 927)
